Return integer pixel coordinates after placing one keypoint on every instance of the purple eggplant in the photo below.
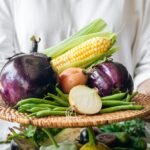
(109, 76)
(26, 75)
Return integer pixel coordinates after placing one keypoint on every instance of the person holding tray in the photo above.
(54, 20)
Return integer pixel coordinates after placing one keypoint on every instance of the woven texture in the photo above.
(9, 114)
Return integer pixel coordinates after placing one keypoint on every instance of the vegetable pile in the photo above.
(121, 139)
(81, 100)
(129, 135)
(74, 77)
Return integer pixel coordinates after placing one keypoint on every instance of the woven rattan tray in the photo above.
(9, 114)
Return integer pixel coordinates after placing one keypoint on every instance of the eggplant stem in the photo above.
(35, 41)
(92, 139)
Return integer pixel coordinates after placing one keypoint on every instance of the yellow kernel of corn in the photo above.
(92, 47)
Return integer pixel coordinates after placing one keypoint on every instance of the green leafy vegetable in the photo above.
(30, 136)
(133, 127)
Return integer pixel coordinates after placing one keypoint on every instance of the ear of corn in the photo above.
(83, 54)
(89, 31)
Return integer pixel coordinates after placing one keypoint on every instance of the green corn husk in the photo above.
(77, 38)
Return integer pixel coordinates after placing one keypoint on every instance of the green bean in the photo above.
(35, 101)
(29, 106)
(64, 96)
(117, 96)
(134, 94)
(123, 107)
(32, 115)
(128, 98)
(45, 113)
(37, 109)
(45, 105)
(58, 99)
(26, 106)
(60, 108)
(32, 109)
(22, 110)
(109, 103)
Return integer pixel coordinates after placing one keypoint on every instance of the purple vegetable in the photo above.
(109, 76)
(26, 75)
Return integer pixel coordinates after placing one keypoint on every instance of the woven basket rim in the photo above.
(9, 114)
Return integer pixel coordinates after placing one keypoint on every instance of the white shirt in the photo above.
(54, 20)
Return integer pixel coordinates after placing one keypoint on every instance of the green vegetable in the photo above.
(117, 96)
(35, 101)
(128, 98)
(30, 137)
(102, 58)
(50, 137)
(122, 107)
(114, 103)
(134, 94)
(55, 146)
(41, 105)
(138, 143)
(58, 99)
(122, 137)
(92, 145)
(128, 133)
(45, 113)
(60, 108)
(62, 146)
(60, 93)
(64, 135)
(76, 39)
(37, 109)
(41, 137)
(27, 106)
(89, 62)
(50, 105)
(95, 26)
(134, 127)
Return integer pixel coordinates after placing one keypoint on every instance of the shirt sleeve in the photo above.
(6, 31)
(6, 50)
(141, 53)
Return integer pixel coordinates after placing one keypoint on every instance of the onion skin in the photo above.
(109, 76)
(72, 77)
(26, 75)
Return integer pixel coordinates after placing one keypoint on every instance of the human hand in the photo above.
(145, 89)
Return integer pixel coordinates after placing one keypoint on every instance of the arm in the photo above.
(7, 32)
(141, 50)
(7, 47)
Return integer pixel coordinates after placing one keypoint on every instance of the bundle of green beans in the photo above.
(119, 101)
(51, 104)
(57, 104)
